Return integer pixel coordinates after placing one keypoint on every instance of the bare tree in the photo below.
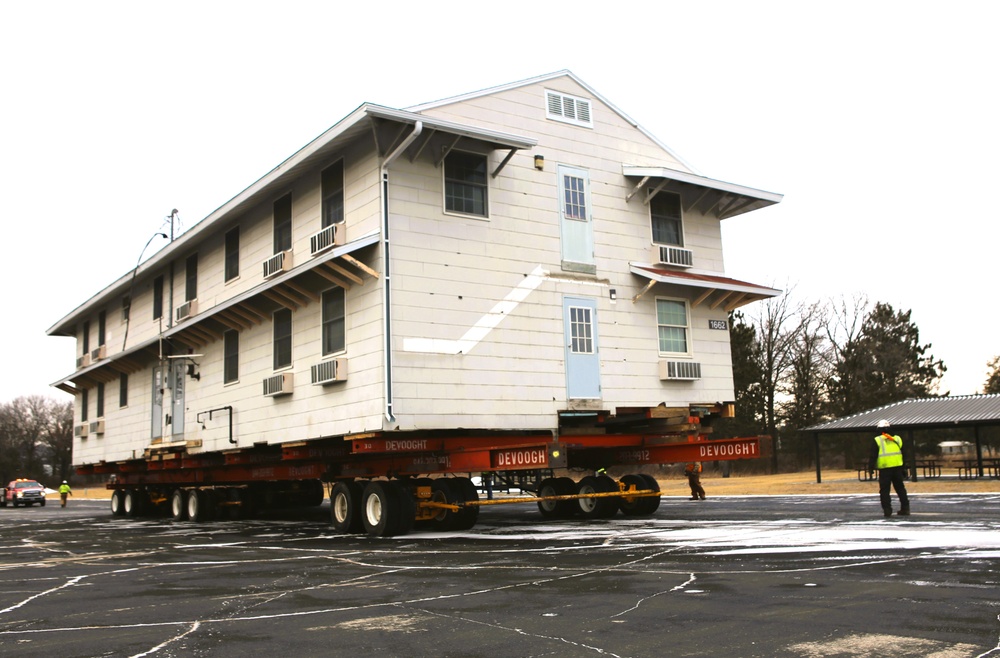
(778, 327)
(805, 385)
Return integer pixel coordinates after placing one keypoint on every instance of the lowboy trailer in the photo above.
(386, 483)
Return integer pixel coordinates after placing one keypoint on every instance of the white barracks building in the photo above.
(493, 262)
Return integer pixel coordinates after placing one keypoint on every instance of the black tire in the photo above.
(638, 505)
(345, 507)
(407, 508)
(597, 508)
(197, 505)
(178, 505)
(13, 502)
(557, 509)
(463, 491)
(42, 503)
(652, 502)
(118, 502)
(380, 508)
(132, 503)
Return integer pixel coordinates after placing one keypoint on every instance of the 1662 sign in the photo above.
(718, 324)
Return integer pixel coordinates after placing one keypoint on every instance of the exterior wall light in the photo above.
(539, 162)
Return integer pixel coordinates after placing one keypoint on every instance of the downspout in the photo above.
(386, 273)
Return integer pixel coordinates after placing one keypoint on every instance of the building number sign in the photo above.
(718, 324)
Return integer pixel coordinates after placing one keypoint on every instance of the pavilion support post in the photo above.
(912, 461)
(979, 452)
(819, 475)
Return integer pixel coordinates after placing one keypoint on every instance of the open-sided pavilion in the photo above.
(911, 416)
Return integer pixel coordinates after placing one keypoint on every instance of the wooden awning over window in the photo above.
(704, 195)
(716, 291)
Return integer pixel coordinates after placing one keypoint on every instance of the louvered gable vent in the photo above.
(567, 108)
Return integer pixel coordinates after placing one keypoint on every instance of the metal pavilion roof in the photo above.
(923, 413)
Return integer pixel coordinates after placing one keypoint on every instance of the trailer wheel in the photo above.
(197, 505)
(380, 507)
(638, 505)
(118, 502)
(132, 503)
(597, 508)
(345, 507)
(652, 502)
(407, 508)
(178, 505)
(557, 509)
(466, 491)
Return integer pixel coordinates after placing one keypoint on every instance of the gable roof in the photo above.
(921, 413)
(565, 73)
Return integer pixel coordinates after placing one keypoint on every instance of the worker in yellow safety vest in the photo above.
(64, 491)
(887, 456)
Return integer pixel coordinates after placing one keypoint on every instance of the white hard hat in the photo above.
(882, 423)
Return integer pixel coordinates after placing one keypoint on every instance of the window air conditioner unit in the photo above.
(278, 385)
(328, 372)
(278, 263)
(187, 309)
(80, 431)
(331, 236)
(680, 370)
(100, 353)
(669, 255)
(97, 427)
(82, 361)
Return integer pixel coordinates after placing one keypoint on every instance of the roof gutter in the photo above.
(418, 128)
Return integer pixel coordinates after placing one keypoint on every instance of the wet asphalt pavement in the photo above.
(731, 576)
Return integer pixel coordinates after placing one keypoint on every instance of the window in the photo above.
(581, 330)
(283, 224)
(86, 337)
(158, 297)
(191, 278)
(126, 307)
(672, 326)
(101, 328)
(574, 197)
(282, 321)
(465, 183)
(232, 254)
(84, 403)
(231, 356)
(334, 316)
(333, 194)
(570, 109)
(100, 400)
(123, 390)
(665, 216)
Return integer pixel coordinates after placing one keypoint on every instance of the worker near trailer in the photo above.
(64, 491)
(887, 456)
(693, 473)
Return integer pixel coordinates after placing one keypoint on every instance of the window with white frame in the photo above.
(665, 218)
(334, 321)
(672, 326)
(466, 184)
(566, 108)
(282, 339)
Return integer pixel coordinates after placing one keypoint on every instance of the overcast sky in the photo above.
(878, 121)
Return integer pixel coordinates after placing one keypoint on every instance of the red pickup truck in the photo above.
(22, 492)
